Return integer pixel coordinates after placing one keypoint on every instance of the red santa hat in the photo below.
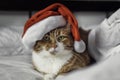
(54, 16)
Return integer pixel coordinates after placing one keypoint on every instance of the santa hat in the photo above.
(54, 16)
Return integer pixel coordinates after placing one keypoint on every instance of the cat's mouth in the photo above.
(52, 51)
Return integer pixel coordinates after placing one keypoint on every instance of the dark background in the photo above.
(74, 5)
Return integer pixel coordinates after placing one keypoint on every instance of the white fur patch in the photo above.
(51, 64)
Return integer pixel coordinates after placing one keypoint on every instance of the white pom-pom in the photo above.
(79, 46)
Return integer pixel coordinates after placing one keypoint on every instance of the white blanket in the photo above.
(15, 60)
(17, 68)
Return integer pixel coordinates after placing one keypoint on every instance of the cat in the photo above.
(55, 55)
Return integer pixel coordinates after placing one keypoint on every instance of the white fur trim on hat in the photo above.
(38, 30)
(79, 46)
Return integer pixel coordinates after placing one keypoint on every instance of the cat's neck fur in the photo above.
(51, 64)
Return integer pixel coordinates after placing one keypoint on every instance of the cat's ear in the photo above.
(68, 27)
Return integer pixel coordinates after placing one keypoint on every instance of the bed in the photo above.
(15, 60)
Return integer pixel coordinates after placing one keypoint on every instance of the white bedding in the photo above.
(15, 60)
(17, 68)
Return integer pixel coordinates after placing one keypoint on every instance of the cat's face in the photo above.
(56, 42)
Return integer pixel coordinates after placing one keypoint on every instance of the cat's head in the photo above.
(56, 42)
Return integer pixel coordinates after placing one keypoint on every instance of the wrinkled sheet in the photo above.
(17, 67)
(15, 60)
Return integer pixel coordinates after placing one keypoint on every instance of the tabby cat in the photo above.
(54, 54)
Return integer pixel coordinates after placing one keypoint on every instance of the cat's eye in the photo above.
(60, 38)
(46, 38)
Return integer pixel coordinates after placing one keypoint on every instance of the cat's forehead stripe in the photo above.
(57, 32)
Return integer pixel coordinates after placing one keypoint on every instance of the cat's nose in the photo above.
(54, 45)
(51, 50)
